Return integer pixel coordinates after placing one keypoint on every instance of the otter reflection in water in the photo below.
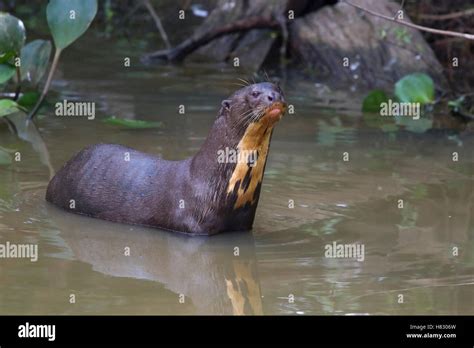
(205, 271)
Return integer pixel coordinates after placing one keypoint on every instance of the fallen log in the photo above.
(243, 29)
(188, 46)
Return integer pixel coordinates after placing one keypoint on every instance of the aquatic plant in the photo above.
(67, 21)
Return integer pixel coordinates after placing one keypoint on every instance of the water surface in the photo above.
(310, 198)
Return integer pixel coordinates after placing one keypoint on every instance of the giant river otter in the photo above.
(217, 190)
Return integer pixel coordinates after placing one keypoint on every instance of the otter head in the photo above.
(258, 103)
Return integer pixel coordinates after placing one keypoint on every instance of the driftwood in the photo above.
(181, 51)
(243, 29)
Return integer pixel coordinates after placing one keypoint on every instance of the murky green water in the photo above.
(310, 198)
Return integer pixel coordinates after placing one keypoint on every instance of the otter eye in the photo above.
(255, 94)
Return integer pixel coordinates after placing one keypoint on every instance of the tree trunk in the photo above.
(378, 52)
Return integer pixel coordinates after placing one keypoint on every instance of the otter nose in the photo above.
(274, 96)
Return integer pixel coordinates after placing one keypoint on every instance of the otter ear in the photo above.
(226, 104)
(225, 107)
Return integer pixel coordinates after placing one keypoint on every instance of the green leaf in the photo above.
(133, 124)
(69, 19)
(6, 72)
(373, 100)
(371, 111)
(12, 34)
(8, 106)
(34, 60)
(415, 88)
(28, 99)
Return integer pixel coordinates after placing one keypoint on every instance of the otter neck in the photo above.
(248, 173)
(238, 181)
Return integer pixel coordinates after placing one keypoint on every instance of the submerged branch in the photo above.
(188, 46)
